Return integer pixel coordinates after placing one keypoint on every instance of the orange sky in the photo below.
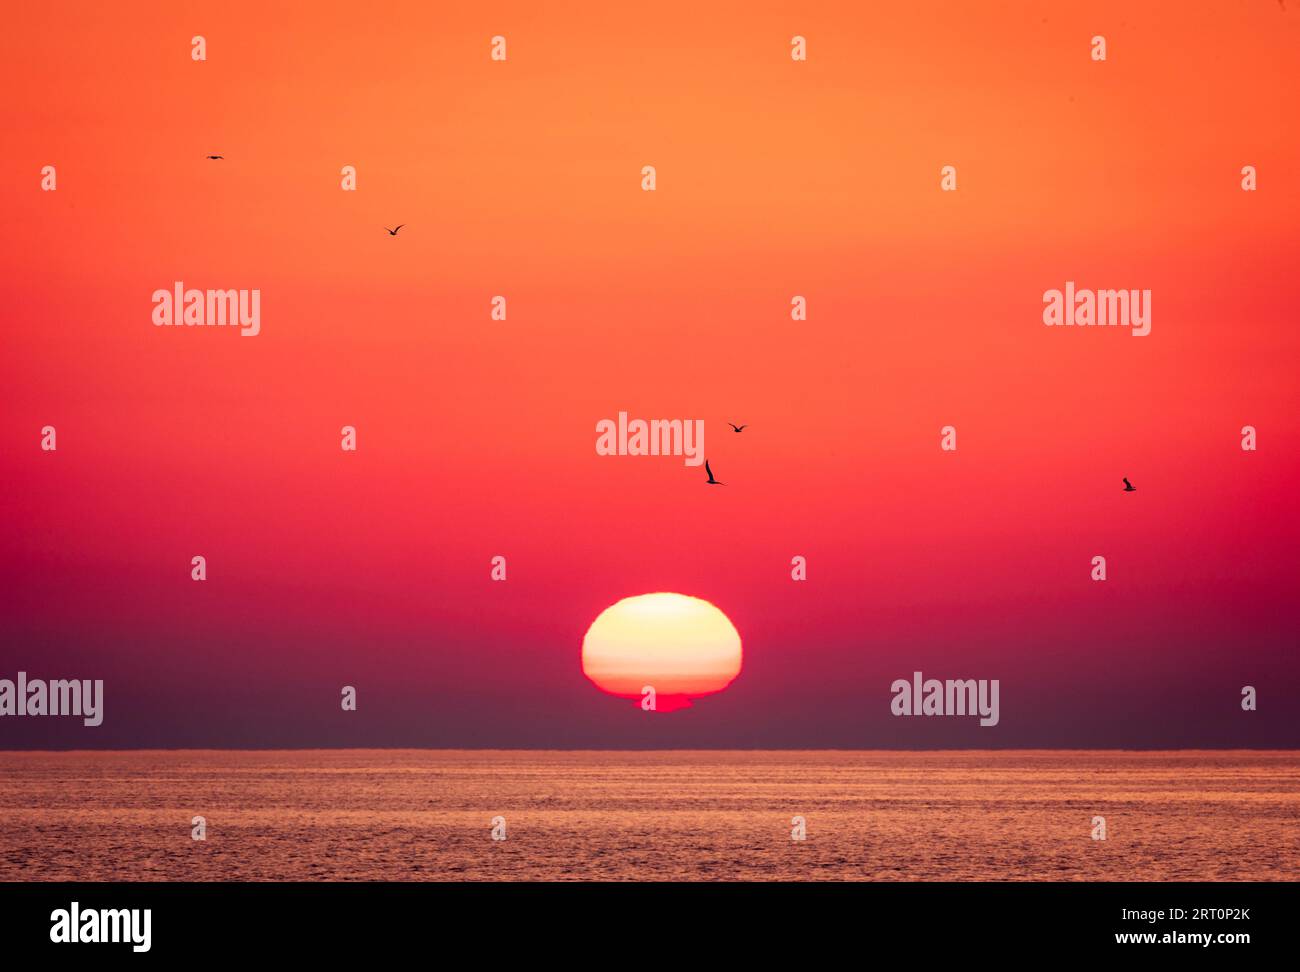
(776, 178)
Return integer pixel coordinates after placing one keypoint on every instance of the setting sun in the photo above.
(681, 647)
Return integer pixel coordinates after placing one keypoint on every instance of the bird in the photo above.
(1129, 487)
(712, 481)
(393, 232)
(738, 428)
(216, 156)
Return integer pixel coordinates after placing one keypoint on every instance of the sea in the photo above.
(683, 815)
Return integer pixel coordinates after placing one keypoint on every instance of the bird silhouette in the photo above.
(739, 428)
(712, 481)
(393, 232)
(216, 156)
(1129, 487)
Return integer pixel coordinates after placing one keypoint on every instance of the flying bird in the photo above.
(216, 156)
(739, 428)
(393, 232)
(1129, 487)
(712, 481)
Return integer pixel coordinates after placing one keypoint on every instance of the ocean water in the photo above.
(416, 815)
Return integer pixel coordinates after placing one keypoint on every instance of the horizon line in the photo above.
(678, 749)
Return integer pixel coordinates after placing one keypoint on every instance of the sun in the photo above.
(681, 647)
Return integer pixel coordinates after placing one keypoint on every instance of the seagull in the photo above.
(739, 428)
(216, 156)
(712, 481)
(1129, 487)
(393, 232)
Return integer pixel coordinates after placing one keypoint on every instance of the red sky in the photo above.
(476, 437)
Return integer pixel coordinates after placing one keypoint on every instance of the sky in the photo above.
(476, 437)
